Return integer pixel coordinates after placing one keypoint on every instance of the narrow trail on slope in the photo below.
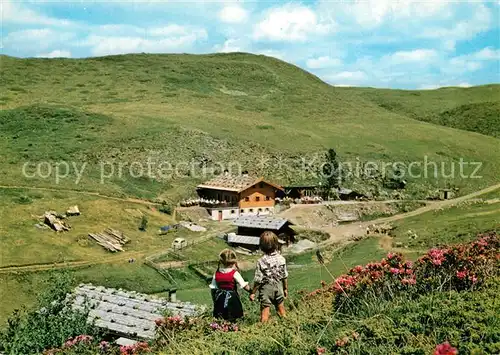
(70, 264)
(89, 193)
(343, 232)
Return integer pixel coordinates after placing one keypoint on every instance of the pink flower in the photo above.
(394, 270)
(104, 346)
(358, 269)
(445, 349)
(341, 342)
(437, 255)
(320, 351)
(461, 274)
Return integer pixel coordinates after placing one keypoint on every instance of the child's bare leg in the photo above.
(264, 314)
(280, 309)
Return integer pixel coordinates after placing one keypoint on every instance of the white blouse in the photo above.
(237, 277)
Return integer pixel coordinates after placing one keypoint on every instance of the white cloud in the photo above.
(58, 53)
(230, 45)
(443, 85)
(374, 13)
(290, 23)
(428, 87)
(461, 64)
(177, 30)
(178, 39)
(480, 21)
(487, 53)
(471, 62)
(233, 14)
(417, 55)
(271, 53)
(35, 39)
(449, 45)
(347, 76)
(18, 13)
(323, 62)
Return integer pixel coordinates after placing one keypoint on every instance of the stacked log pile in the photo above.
(110, 239)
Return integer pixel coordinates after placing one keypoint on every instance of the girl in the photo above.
(227, 304)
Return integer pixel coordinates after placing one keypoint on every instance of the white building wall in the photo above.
(254, 211)
(227, 213)
(251, 211)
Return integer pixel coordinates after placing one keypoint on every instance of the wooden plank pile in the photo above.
(110, 239)
(55, 221)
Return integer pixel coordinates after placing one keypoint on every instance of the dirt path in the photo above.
(343, 232)
(88, 193)
(71, 264)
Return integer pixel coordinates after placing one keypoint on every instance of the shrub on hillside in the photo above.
(49, 324)
(143, 225)
(459, 267)
(165, 208)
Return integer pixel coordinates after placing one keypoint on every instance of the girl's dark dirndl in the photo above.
(227, 303)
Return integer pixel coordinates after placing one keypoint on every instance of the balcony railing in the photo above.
(208, 203)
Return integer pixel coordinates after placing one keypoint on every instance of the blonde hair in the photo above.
(268, 242)
(227, 257)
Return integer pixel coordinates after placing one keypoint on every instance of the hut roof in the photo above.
(234, 183)
(260, 222)
(127, 313)
(243, 239)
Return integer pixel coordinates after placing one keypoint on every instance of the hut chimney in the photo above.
(244, 173)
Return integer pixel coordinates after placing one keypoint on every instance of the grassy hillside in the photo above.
(475, 109)
(211, 109)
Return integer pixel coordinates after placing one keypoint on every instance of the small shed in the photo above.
(348, 194)
(179, 243)
(445, 194)
(254, 226)
(301, 191)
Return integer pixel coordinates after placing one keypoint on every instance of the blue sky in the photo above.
(404, 44)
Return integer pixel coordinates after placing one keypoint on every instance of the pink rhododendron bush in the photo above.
(457, 267)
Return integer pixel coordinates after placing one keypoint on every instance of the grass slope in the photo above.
(208, 109)
(475, 109)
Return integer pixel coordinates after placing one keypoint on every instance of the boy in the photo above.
(270, 277)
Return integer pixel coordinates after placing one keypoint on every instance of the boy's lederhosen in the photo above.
(271, 293)
(227, 303)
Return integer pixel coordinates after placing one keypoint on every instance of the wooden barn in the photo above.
(231, 196)
(251, 227)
